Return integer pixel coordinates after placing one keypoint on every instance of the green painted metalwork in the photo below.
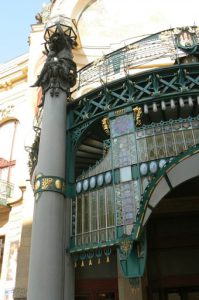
(166, 139)
(170, 44)
(152, 86)
(138, 228)
(48, 184)
(93, 256)
(133, 265)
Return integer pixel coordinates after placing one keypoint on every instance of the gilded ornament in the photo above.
(37, 184)
(119, 112)
(125, 246)
(46, 183)
(90, 262)
(58, 184)
(106, 125)
(138, 114)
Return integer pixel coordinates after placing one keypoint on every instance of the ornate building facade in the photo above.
(114, 164)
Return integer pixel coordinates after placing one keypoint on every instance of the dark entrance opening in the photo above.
(173, 245)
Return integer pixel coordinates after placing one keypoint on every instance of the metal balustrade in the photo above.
(122, 61)
(6, 191)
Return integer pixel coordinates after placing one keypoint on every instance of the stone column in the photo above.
(47, 260)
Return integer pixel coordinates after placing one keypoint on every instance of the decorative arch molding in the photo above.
(80, 7)
(178, 170)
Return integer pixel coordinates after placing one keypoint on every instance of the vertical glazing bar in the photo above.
(173, 133)
(83, 218)
(97, 193)
(105, 203)
(90, 215)
(75, 221)
(185, 146)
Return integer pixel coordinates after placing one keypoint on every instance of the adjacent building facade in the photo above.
(120, 220)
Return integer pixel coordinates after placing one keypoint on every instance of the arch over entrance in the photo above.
(178, 170)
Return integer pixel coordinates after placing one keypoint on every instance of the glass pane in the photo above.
(132, 147)
(170, 144)
(142, 150)
(127, 203)
(151, 147)
(110, 207)
(93, 196)
(102, 212)
(121, 125)
(86, 215)
(179, 141)
(161, 151)
(125, 174)
(188, 138)
(124, 151)
(79, 215)
(196, 135)
(102, 235)
(118, 201)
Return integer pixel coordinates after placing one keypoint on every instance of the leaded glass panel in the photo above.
(142, 150)
(136, 191)
(102, 235)
(94, 212)
(133, 148)
(170, 146)
(179, 141)
(111, 233)
(196, 135)
(101, 208)
(124, 151)
(127, 201)
(118, 201)
(86, 213)
(127, 204)
(188, 135)
(161, 147)
(151, 147)
(110, 206)
(79, 215)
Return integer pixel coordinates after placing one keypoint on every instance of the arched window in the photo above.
(8, 151)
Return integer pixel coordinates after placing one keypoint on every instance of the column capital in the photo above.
(59, 71)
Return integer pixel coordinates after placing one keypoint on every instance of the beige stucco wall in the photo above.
(15, 104)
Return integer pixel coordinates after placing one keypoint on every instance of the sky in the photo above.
(16, 17)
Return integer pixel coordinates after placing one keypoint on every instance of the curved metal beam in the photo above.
(180, 169)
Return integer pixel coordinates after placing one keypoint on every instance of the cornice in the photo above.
(8, 82)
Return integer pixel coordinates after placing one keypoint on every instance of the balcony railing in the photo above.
(6, 191)
(119, 63)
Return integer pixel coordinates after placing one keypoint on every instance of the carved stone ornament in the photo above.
(59, 71)
(44, 15)
(186, 40)
(6, 112)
